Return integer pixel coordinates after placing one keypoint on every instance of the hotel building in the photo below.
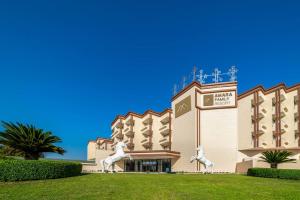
(233, 129)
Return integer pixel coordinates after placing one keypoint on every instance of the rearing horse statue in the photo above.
(202, 159)
(111, 160)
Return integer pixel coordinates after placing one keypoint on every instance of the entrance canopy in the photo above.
(156, 154)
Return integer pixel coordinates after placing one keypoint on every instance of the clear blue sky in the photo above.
(72, 66)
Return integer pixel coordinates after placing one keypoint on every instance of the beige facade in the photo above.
(233, 130)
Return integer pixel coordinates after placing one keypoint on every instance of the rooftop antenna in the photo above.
(194, 73)
(175, 89)
(232, 72)
(183, 82)
(217, 75)
(201, 77)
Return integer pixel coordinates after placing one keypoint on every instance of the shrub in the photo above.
(21, 170)
(274, 173)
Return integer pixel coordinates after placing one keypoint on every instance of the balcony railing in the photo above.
(130, 122)
(260, 101)
(120, 125)
(282, 115)
(165, 132)
(282, 98)
(120, 136)
(147, 145)
(148, 121)
(130, 145)
(296, 116)
(130, 134)
(147, 133)
(275, 133)
(258, 134)
(164, 143)
(259, 117)
(296, 100)
(297, 134)
(166, 120)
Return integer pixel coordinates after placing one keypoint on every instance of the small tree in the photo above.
(29, 141)
(276, 157)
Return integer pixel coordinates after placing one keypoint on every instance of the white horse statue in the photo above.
(202, 159)
(111, 160)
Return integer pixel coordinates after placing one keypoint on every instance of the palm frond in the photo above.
(29, 140)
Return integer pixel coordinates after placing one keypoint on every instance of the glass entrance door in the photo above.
(151, 165)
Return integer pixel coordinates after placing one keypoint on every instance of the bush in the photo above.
(21, 170)
(274, 173)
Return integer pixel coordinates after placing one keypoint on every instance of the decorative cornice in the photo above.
(270, 90)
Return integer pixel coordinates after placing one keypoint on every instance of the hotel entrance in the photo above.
(153, 165)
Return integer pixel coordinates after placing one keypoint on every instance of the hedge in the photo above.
(21, 170)
(274, 173)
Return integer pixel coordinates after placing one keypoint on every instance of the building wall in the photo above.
(91, 150)
(150, 121)
(184, 133)
(245, 127)
(231, 136)
(267, 125)
(219, 138)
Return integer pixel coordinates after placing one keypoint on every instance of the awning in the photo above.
(155, 154)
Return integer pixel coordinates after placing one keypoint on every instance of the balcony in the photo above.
(165, 143)
(147, 144)
(148, 121)
(296, 100)
(166, 120)
(260, 132)
(282, 115)
(297, 134)
(282, 98)
(130, 134)
(258, 118)
(296, 116)
(148, 133)
(165, 132)
(120, 136)
(260, 101)
(130, 145)
(120, 125)
(130, 122)
(280, 133)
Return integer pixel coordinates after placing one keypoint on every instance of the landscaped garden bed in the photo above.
(275, 173)
(21, 170)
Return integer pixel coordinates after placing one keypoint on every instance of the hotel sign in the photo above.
(183, 107)
(215, 100)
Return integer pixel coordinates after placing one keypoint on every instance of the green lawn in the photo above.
(152, 186)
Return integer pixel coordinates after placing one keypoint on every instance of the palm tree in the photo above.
(29, 141)
(276, 157)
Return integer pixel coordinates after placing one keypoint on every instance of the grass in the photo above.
(153, 186)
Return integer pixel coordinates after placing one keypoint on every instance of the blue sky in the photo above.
(72, 66)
